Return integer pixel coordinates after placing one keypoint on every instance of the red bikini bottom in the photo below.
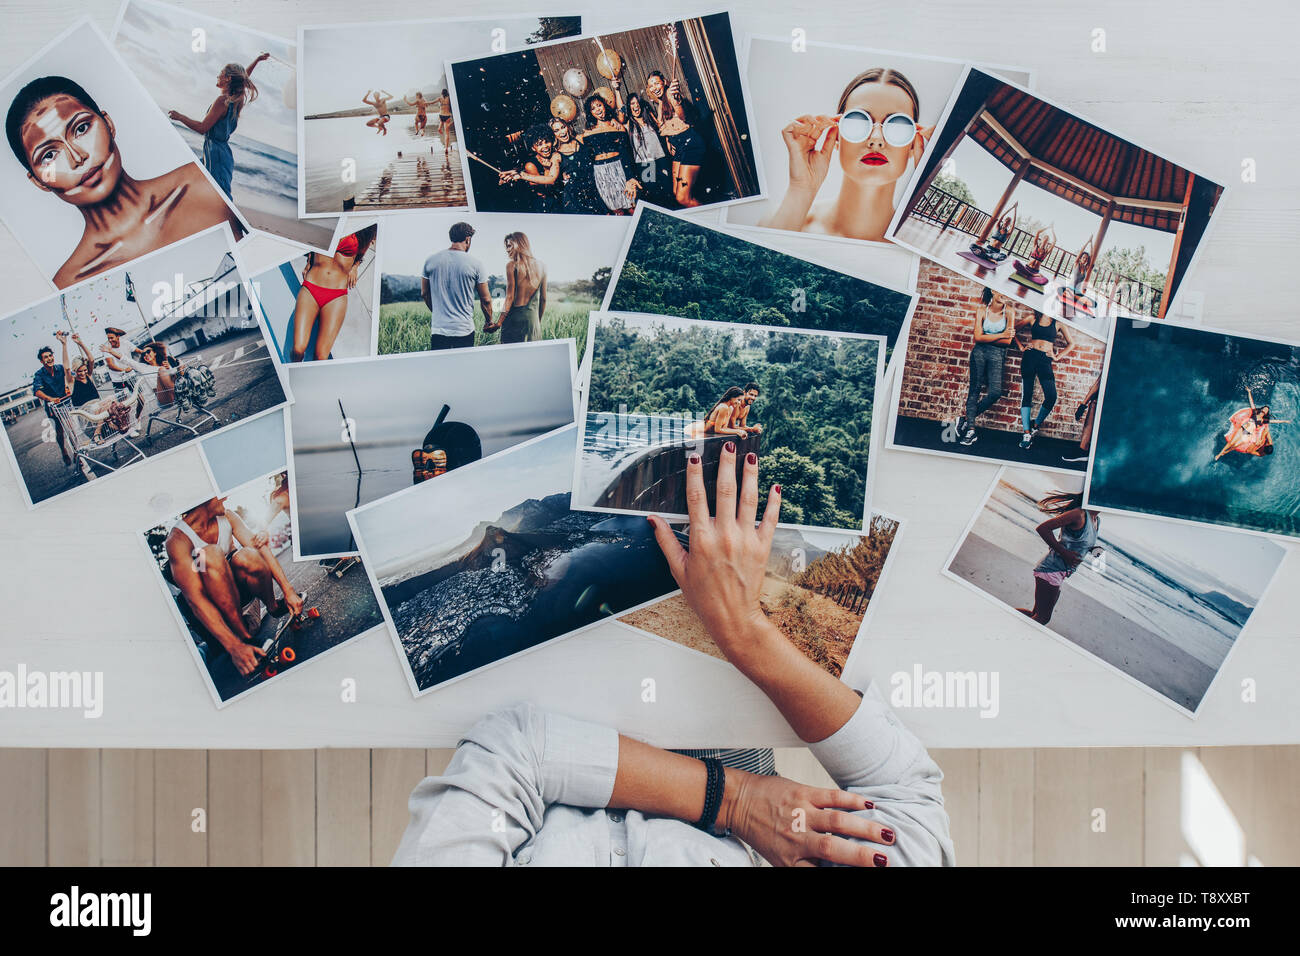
(322, 295)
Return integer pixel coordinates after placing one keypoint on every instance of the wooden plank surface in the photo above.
(22, 794)
(343, 807)
(127, 807)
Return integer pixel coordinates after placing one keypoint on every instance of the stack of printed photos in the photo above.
(499, 324)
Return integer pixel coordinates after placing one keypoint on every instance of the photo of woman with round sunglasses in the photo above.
(876, 134)
(840, 131)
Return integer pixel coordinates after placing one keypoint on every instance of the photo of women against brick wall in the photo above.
(986, 378)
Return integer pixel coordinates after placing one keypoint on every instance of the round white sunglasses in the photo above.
(898, 129)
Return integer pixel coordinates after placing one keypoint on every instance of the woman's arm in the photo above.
(215, 112)
(1069, 343)
(253, 65)
(510, 285)
(858, 739)
(541, 296)
(1073, 518)
(808, 167)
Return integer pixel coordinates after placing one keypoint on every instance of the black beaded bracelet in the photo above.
(713, 787)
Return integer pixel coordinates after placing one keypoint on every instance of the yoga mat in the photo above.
(979, 260)
(1017, 278)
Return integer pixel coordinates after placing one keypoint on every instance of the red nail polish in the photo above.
(880, 859)
(695, 459)
(887, 835)
(777, 489)
(751, 458)
(729, 448)
(869, 805)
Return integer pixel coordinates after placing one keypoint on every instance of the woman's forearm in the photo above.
(814, 703)
(793, 211)
(658, 781)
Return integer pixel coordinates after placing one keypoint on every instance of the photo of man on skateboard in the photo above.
(220, 567)
(250, 611)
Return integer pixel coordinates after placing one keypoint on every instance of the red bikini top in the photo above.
(347, 246)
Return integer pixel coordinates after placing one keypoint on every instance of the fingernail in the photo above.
(729, 448)
(777, 489)
(868, 805)
(887, 835)
(751, 458)
(880, 859)
(695, 459)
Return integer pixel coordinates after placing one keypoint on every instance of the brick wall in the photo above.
(936, 374)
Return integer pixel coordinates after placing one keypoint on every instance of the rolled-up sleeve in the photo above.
(873, 754)
(506, 771)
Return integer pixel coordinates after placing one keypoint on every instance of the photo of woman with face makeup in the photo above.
(69, 147)
(840, 131)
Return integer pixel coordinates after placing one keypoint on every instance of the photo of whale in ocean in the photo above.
(502, 577)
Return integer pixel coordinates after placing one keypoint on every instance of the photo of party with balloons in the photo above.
(592, 125)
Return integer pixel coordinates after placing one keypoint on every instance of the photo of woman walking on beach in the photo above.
(875, 131)
(1078, 535)
(69, 147)
(237, 91)
(1161, 602)
(322, 303)
(525, 303)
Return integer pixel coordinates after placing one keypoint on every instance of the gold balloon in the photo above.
(606, 94)
(563, 107)
(609, 64)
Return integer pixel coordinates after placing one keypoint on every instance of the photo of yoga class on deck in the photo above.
(1052, 211)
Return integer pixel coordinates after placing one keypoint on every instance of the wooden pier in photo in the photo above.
(421, 175)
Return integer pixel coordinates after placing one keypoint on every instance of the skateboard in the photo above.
(341, 566)
(279, 650)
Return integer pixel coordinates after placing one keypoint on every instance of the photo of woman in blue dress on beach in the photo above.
(237, 91)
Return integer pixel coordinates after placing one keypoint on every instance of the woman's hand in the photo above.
(808, 164)
(631, 187)
(791, 824)
(352, 277)
(174, 115)
(721, 576)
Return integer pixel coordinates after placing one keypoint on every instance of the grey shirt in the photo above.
(454, 277)
(530, 787)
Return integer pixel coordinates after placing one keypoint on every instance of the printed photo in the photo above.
(362, 429)
(817, 591)
(591, 126)
(491, 561)
(673, 265)
(1049, 209)
(986, 378)
(320, 306)
(247, 609)
(132, 364)
(245, 451)
(1160, 602)
(231, 93)
(840, 132)
(95, 175)
(376, 131)
(1215, 439)
(453, 280)
(664, 388)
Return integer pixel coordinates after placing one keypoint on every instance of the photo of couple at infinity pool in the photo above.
(662, 388)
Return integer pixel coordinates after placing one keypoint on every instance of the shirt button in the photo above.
(618, 851)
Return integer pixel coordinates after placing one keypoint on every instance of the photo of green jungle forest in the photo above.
(678, 267)
(814, 406)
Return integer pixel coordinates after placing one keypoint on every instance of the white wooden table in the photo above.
(1206, 85)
